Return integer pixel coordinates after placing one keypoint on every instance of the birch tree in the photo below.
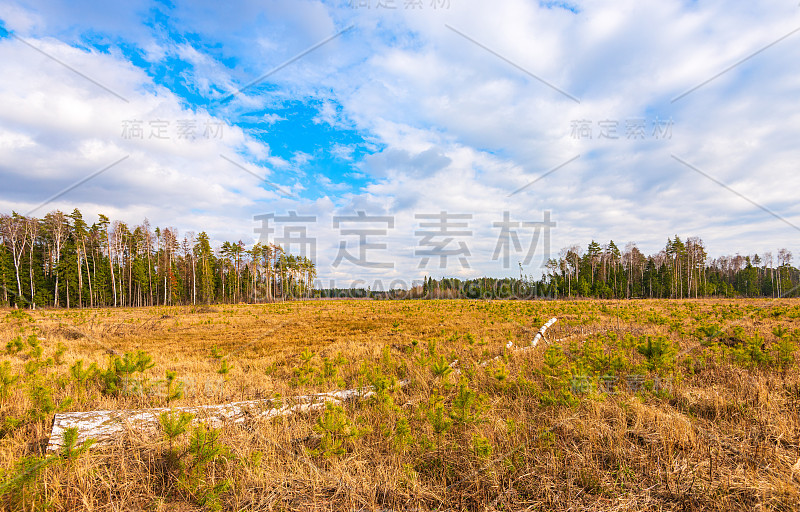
(13, 227)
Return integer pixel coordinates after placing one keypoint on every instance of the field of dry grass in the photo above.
(638, 405)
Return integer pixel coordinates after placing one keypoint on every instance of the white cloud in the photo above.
(342, 151)
(17, 18)
(60, 128)
(272, 118)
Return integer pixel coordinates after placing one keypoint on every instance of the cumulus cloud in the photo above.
(60, 128)
(395, 160)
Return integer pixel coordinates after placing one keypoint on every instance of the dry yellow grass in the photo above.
(723, 434)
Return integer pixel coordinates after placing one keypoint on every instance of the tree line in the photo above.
(61, 261)
(682, 269)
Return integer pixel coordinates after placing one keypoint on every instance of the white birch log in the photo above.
(107, 426)
(510, 345)
(543, 330)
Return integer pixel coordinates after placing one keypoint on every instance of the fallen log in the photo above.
(540, 334)
(107, 426)
(510, 345)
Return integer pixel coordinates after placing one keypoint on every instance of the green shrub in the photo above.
(481, 447)
(402, 433)
(659, 353)
(467, 405)
(117, 379)
(783, 351)
(440, 367)
(173, 425)
(14, 346)
(336, 430)
(7, 380)
(81, 375)
(438, 419)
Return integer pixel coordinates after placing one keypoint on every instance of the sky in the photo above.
(391, 140)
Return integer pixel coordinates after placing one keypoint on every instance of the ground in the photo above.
(626, 405)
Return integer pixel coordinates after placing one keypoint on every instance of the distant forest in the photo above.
(682, 269)
(61, 261)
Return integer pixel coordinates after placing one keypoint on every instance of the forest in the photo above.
(61, 261)
(682, 269)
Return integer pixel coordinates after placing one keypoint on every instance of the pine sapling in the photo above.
(14, 346)
(7, 380)
(174, 425)
(81, 375)
(224, 369)
(70, 451)
(174, 390)
(59, 353)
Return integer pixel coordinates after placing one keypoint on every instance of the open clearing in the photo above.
(630, 405)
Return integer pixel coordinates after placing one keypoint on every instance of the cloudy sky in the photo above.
(625, 120)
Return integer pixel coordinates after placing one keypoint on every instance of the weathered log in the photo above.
(510, 345)
(540, 334)
(106, 426)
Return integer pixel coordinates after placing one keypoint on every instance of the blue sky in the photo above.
(449, 107)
